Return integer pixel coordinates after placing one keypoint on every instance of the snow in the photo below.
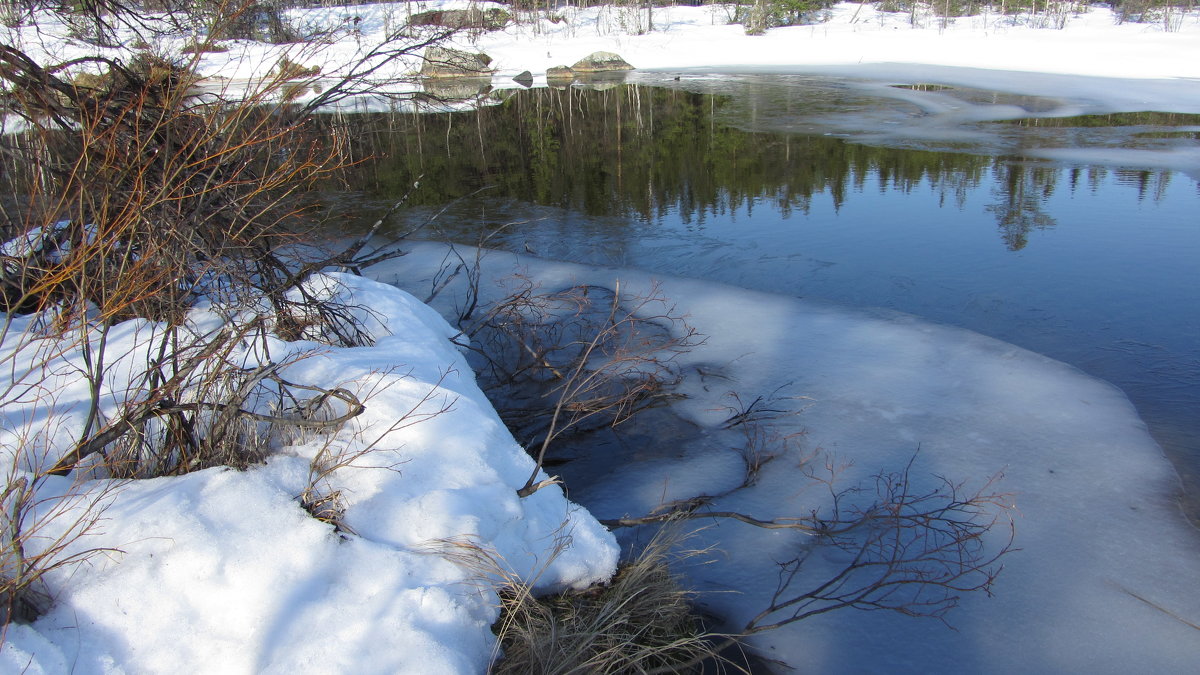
(228, 573)
(223, 571)
(1127, 64)
(862, 35)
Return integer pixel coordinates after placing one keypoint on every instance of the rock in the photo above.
(559, 76)
(487, 19)
(457, 88)
(443, 62)
(525, 79)
(601, 81)
(601, 62)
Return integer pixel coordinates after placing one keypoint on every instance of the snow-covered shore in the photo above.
(1126, 66)
(1091, 44)
(223, 571)
(1099, 53)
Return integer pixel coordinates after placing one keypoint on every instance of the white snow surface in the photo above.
(1130, 65)
(222, 571)
(1091, 44)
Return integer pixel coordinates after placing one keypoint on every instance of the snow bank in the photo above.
(1127, 62)
(1091, 43)
(223, 571)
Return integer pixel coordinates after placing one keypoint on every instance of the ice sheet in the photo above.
(1095, 519)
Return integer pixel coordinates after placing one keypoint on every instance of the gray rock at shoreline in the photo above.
(443, 62)
(559, 76)
(601, 62)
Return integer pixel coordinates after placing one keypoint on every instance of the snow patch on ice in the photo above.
(1093, 494)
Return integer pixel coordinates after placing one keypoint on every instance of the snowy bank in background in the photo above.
(1092, 43)
(857, 37)
(224, 571)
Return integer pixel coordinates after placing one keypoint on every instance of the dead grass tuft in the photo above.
(643, 621)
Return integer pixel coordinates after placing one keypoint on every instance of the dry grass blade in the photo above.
(643, 621)
(1159, 607)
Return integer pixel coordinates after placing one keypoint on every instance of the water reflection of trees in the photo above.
(1152, 184)
(642, 152)
(1021, 192)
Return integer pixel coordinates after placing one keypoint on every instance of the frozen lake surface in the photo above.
(1104, 553)
(1074, 237)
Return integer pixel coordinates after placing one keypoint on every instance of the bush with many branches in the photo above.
(132, 197)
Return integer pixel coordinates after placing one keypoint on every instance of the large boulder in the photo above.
(601, 62)
(525, 79)
(443, 62)
(559, 75)
(456, 88)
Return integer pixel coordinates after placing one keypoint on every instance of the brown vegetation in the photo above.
(129, 199)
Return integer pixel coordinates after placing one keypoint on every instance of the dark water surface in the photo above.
(941, 202)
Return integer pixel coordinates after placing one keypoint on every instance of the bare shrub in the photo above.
(253, 20)
(573, 360)
(904, 548)
(910, 550)
(142, 198)
(321, 498)
(151, 197)
(137, 199)
(40, 535)
(570, 361)
(206, 47)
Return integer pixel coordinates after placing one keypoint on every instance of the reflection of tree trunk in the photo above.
(1023, 192)
(1147, 182)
